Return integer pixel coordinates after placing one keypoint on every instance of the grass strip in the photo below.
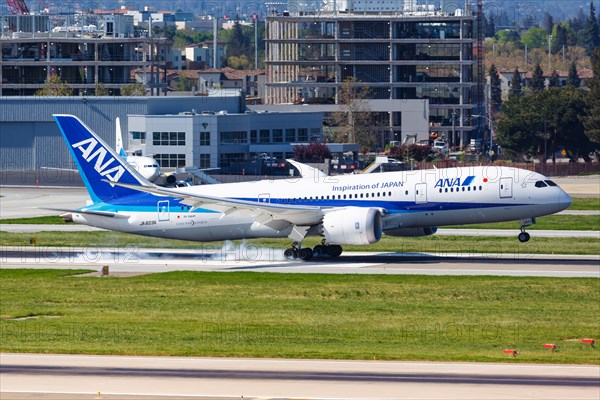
(396, 317)
(585, 203)
(47, 220)
(549, 222)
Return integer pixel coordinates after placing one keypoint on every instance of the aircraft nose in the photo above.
(564, 200)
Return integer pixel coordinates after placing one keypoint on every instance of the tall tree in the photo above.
(353, 124)
(592, 120)
(101, 90)
(537, 79)
(543, 122)
(239, 42)
(133, 89)
(554, 80)
(560, 38)
(591, 32)
(516, 84)
(535, 38)
(573, 78)
(495, 88)
(55, 87)
(547, 23)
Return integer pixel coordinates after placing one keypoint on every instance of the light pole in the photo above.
(491, 131)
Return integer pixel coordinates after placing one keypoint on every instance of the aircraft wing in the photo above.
(276, 216)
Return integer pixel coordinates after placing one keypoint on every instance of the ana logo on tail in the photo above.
(111, 172)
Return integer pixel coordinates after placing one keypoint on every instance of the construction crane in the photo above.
(17, 7)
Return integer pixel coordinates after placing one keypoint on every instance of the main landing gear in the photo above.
(524, 236)
(306, 253)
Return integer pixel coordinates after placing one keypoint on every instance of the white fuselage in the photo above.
(408, 199)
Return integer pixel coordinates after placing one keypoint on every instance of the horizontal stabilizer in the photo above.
(89, 212)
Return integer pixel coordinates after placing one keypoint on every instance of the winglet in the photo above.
(306, 171)
(119, 139)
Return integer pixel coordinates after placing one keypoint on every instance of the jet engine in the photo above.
(352, 225)
(411, 232)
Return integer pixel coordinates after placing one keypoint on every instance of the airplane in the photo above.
(344, 209)
(147, 166)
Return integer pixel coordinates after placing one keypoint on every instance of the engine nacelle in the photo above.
(353, 225)
(411, 232)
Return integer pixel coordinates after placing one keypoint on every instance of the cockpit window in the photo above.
(540, 184)
(550, 183)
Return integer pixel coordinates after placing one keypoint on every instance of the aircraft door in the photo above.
(421, 193)
(264, 198)
(163, 210)
(506, 187)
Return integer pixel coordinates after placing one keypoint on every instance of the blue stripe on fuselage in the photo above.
(147, 202)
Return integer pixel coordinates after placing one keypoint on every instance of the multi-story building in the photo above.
(406, 54)
(83, 50)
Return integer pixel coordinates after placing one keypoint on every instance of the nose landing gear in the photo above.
(524, 236)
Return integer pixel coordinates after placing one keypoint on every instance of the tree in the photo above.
(55, 87)
(239, 62)
(573, 78)
(238, 41)
(592, 120)
(134, 89)
(183, 85)
(591, 32)
(314, 152)
(554, 80)
(560, 38)
(516, 84)
(534, 38)
(354, 123)
(489, 26)
(495, 88)
(100, 90)
(547, 23)
(537, 79)
(507, 35)
(541, 123)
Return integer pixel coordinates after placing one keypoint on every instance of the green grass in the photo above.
(585, 203)
(550, 222)
(48, 220)
(435, 243)
(445, 318)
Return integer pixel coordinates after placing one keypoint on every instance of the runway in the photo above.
(168, 377)
(133, 261)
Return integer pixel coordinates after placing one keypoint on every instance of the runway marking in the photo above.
(317, 361)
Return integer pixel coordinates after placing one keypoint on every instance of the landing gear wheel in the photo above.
(305, 253)
(290, 254)
(524, 237)
(320, 250)
(334, 250)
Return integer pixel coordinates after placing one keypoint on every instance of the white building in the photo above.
(222, 139)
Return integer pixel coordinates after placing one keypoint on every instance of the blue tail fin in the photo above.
(96, 161)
